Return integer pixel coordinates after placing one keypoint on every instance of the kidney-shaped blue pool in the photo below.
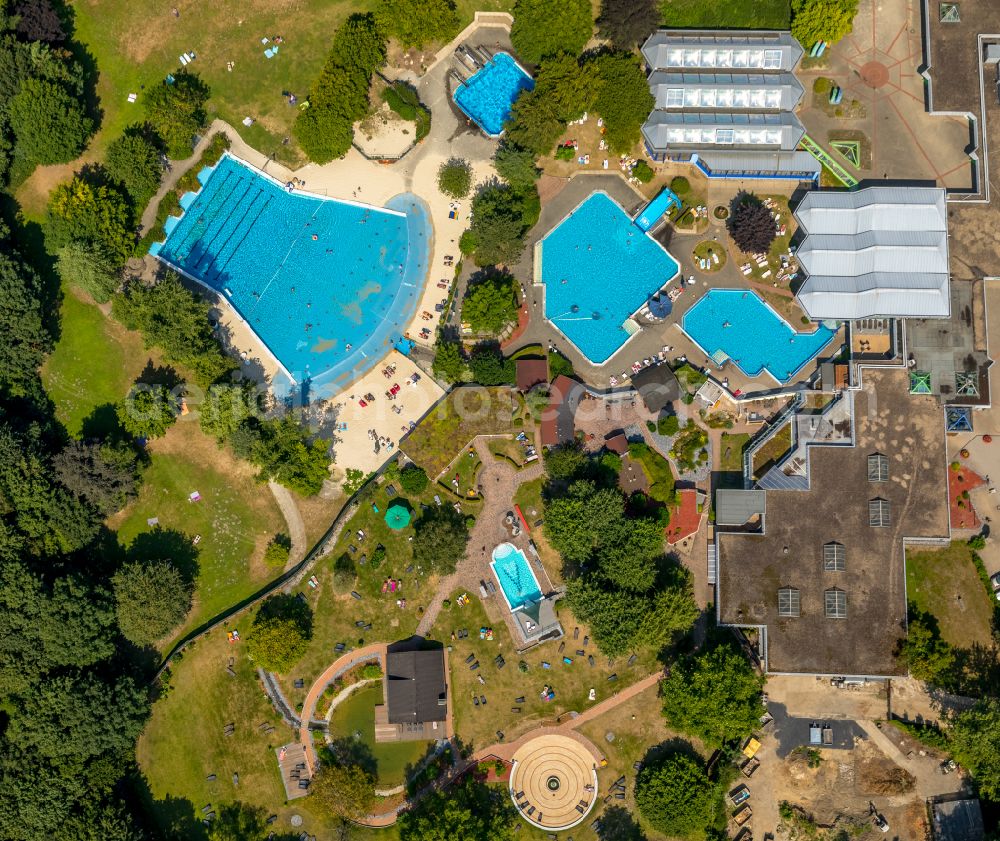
(488, 95)
(598, 268)
(738, 324)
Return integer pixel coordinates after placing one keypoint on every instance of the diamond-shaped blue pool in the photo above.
(744, 328)
(598, 268)
(514, 574)
(488, 95)
(327, 285)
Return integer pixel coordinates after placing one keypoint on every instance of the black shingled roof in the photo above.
(415, 686)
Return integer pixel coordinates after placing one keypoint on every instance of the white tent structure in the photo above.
(878, 252)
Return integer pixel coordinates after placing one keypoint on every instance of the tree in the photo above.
(498, 225)
(413, 479)
(623, 99)
(87, 266)
(578, 522)
(564, 90)
(176, 110)
(37, 20)
(339, 97)
(927, 655)
(415, 23)
(751, 224)
(105, 475)
(49, 123)
(490, 303)
(148, 411)
(627, 23)
(448, 362)
(455, 177)
(544, 28)
(489, 367)
(102, 718)
(280, 633)
(466, 811)
(565, 462)
(714, 695)
(175, 319)
(278, 551)
(100, 216)
(238, 822)
(822, 20)
(630, 555)
(344, 789)
(282, 451)
(440, 538)
(151, 600)
(676, 796)
(226, 406)
(133, 160)
(975, 743)
(26, 341)
(515, 165)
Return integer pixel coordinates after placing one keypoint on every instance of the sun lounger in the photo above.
(355, 595)
(632, 659)
(519, 700)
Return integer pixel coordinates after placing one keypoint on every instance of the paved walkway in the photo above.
(500, 480)
(293, 519)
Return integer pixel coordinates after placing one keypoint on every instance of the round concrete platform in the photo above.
(553, 782)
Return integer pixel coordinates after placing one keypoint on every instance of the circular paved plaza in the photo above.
(553, 782)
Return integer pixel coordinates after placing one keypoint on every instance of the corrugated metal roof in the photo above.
(718, 160)
(877, 252)
(736, 507)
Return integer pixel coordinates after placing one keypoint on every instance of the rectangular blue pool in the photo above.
(326, 285)
(742, 326)
(598, 268)
(489, 94)
(513, 573)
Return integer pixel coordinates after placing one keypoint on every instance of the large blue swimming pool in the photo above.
(326, 285)
(743, 327)
(489, 94)
(514, 574)
(598, 269)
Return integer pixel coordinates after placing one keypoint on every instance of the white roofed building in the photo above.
(879, 252)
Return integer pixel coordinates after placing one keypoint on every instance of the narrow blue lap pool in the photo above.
(738, 325)
(327, 286)
(513, 573)
(488, 95)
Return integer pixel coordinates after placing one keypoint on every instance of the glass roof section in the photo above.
(723, 57)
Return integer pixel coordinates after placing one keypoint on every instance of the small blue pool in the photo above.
(326, 285)
(598, 268)
(489, 94)
(513, 572)
(740, 326)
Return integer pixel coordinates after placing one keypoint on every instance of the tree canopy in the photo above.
(501, 216)
(822, 20)
(413, 479)
(455, 178)
(488, 365)
(26, 340)
(466, 811)
(280, 633)
(490, 303)
(975, 743)
(515, 165)
(543, 28)
(440, 538)
(87, 266)
(416, 23)
(151, 599)
(627, 23)
(448, 364)
(676, 796)
(37, 20)
(133, 160)
(565, 88)
(344, 789)
(176, 110)
(623, 99)
(714, 695)
(50, 124)
(106, 475)
(96, 215)
(148, 411)
(751, 224)
(339, 97)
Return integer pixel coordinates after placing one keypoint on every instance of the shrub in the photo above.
(822, 85)
(378, 555)
(544, 28)
(668, 426)
(559, 365)
(277, 552)
(680, 185)
(455, 178)
(413, 479)
(370, 671)
(643, 171)
(280, 633)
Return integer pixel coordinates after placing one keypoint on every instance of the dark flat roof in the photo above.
(559, 417)
(657, 385)
(909, 431)
(415, 686)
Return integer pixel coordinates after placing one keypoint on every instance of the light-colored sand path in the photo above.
(293, 519)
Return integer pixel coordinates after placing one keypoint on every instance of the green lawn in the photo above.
(235, 517)
(732, 446)
(657, 470)
(464, 470)
(946, 584)
(529, 497)
(354, 719)
(731, 14)
(456, 420)
(93, 364)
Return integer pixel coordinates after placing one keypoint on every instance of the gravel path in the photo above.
(293, 519)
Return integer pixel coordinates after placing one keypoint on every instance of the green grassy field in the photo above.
(732, 446)
(946, 584)
(732, 14)
(356, 715)
(93, 364)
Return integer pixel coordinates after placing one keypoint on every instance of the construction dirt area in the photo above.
(802, 790)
